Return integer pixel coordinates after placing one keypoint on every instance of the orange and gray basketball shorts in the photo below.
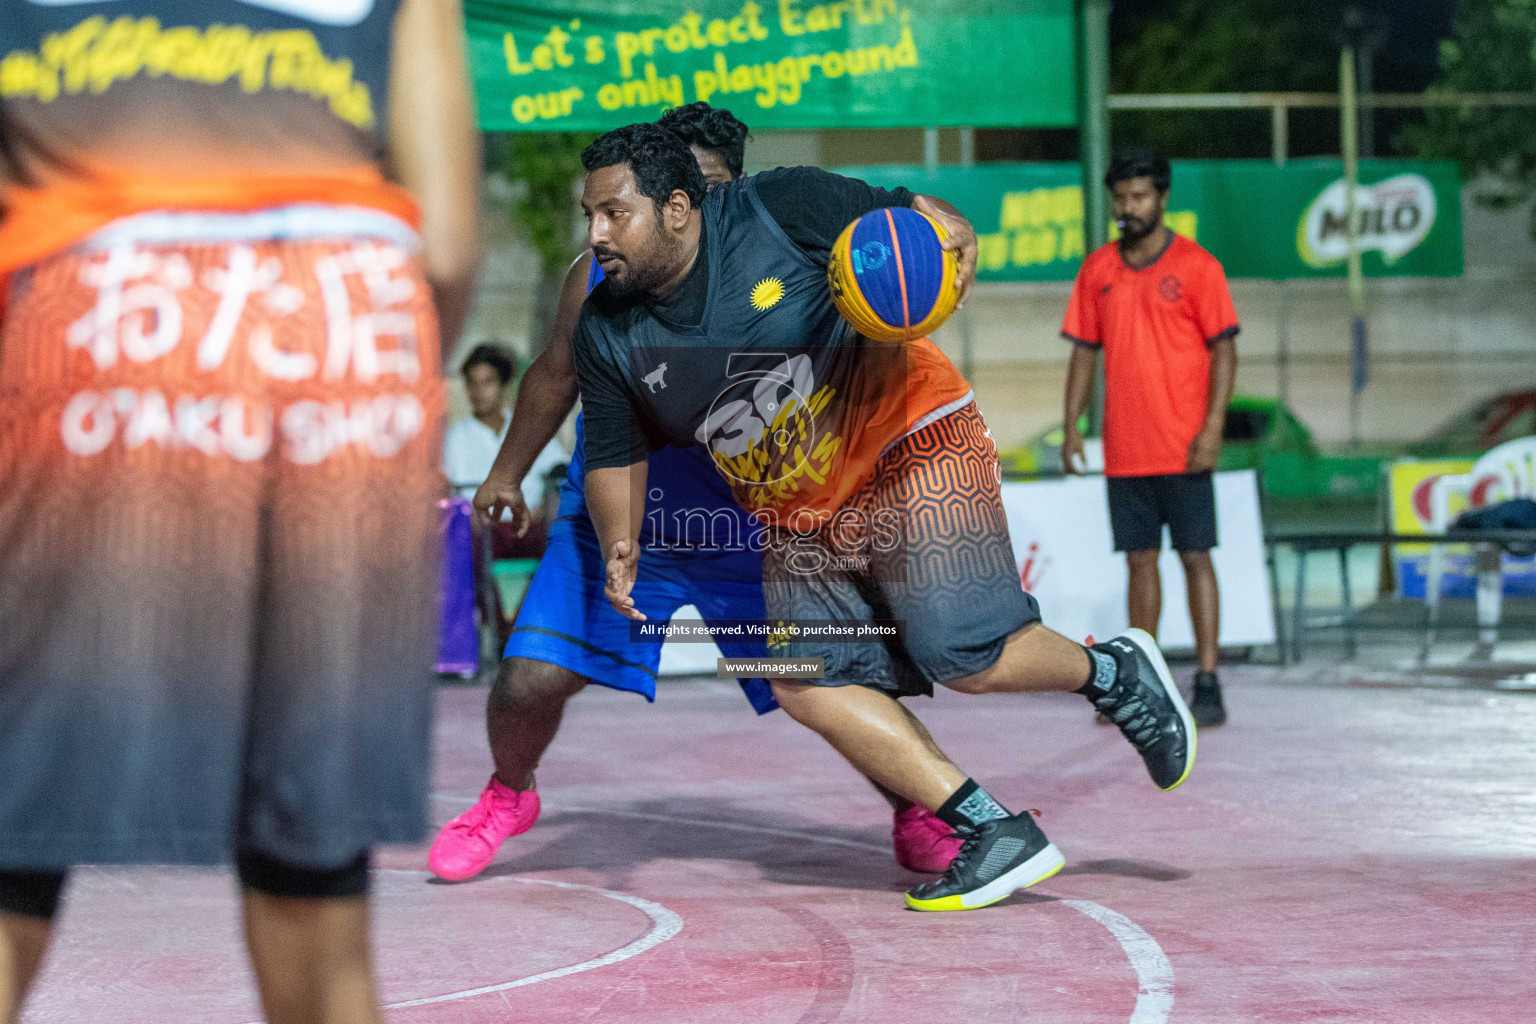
(217, 551)
(921, 548)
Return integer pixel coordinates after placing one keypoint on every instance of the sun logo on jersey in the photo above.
(767, 293)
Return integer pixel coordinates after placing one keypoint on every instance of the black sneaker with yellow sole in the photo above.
(996, 858)
(1145, 703)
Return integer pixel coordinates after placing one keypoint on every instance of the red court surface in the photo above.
(1340, 854)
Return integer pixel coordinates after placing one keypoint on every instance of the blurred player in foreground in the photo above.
(699, 551)
(895, 513)
(220, 398)
(1157, 305)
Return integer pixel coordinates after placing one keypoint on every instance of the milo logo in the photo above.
(1391, 217)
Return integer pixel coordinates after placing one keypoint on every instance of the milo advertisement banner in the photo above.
(592, 65)
(1260, 220)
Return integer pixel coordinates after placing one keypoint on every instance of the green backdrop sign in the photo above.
(1258, 219)
(591, 65)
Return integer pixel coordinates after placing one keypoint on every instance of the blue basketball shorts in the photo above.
(565, 620)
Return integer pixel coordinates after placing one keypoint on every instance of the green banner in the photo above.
(592, 65)
(1258, 219)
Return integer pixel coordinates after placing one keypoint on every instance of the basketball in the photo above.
(891, 277)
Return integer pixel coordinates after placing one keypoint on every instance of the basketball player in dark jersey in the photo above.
(869, 464)
(220, 397)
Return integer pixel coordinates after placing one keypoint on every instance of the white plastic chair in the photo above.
(1501, 474)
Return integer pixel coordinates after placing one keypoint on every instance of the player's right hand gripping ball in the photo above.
(890, 276)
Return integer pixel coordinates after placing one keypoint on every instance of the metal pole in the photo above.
(1350, 137)
(1093, 148)
(1280, 145)
(931, 150)
(1283, 344)
(967, 327)
(1368, 111)
(1280, 133)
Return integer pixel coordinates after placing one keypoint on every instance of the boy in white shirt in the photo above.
(470, 444)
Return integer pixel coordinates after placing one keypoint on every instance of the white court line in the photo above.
(1154, 972)
(664, 925)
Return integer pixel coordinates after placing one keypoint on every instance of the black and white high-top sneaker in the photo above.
(1145, 703)
(996, 858)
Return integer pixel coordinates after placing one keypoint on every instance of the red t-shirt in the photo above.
(1156, 327)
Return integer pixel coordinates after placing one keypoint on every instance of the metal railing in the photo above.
(1281, 103)
(1294, 624)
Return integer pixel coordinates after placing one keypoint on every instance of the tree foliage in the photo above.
(544, 167)
(1492, 49)
(1233, 46)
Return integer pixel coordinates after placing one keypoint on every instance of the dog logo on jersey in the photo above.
(324, 12)
(656, 378)
(767, 293)
(1170, 289)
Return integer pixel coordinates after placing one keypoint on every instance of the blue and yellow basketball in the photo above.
(891, 277)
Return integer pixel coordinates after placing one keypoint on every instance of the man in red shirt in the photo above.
(1158, 307)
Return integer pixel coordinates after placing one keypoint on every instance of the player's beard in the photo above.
(645, 267)
(1134, 229)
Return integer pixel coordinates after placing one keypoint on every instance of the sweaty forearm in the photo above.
(544, 398)
(616, 503)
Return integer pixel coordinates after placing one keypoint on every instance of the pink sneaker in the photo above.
(468, 843)
(923, 843)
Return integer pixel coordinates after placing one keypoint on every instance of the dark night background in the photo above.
(1247, 46)
(1405, 63)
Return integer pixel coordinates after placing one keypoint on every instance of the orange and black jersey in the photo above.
(793, 405)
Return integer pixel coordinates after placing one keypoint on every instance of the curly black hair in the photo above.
(1140, 162)
(661, 161)
(493, 356)
(710, 128)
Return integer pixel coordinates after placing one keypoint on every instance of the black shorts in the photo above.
(1140, 506)
(924, 543)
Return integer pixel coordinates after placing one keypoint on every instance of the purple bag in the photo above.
(458, 642)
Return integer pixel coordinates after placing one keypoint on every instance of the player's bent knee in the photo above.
(521, 681)
(981, 682)
(272, 877)
(791, 696)
(802, 702)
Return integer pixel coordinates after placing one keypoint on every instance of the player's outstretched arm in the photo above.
(545, 396)
(962, 237)
(435, 150)
(616, 502)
